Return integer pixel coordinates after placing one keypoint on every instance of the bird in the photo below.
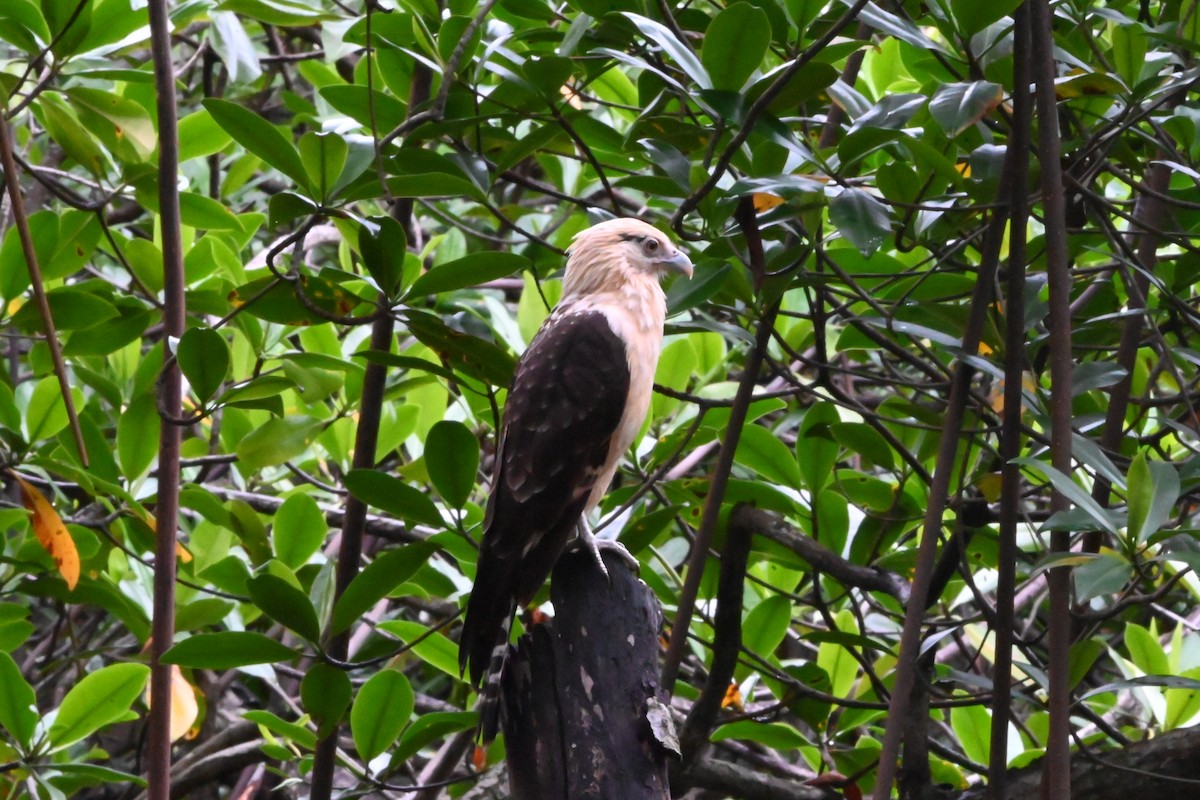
(578, 398)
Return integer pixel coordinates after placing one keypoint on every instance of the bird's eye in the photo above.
(651, 246)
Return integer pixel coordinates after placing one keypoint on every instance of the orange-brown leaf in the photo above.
(51, 532)
(765, 202)
(733, 697)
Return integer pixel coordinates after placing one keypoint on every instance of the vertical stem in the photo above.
(1056, 774)
(1016, 166)
(353, 528)
(158, 755)
(13, 186)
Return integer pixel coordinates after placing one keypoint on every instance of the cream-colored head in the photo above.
(613, 253)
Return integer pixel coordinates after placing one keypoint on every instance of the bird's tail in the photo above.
(489, 698)
(483, 646)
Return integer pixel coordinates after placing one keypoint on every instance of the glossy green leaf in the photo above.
(1145, 651)
(284, 603)
(452, 460)
(138, 433)
(15, 626)
(100, 698)
(380, 712)
(277, 441)
(471, 270)
(200, 136)
(18, 704)
(761, 451)
(22, 24)
(323, 156)
(1072, 492)
(1103, 574)
(862, 219)
(429, 728)
(816, 448)
(662, 36)
(775, 735)
(325, 692)
(767, 624)
(973, 16)
(430, 646)
(973, 727)
(381, 576)
(958, 106)
(389, 493)
(258, 137)
(227, 650)
(299, 530)
(203, 357)
(1153, 491)
(735, 44)
(383, 245)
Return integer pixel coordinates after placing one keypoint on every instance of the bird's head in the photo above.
(620, 249)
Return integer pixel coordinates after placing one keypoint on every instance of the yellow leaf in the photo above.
(184, 708)
(985, 349)
(571, 96)
(989, 486)
(51, 532)
(765, 202)
(182, 553)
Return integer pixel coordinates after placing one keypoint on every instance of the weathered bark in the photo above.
(580, 690)
(1166, 767)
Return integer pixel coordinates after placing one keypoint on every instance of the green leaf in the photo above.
(862, 219)
(71, 308)
(277, 441)
(973, 727)
(138, 431)
(258, 137)
(1104, 573)
(381, 710)
(389, 493)
(1072, 492)
(101, 698)
(816, 449)
(203, 357)
(775, 735)
(1145, 651)
(46, 413)
(866, 441)
(284, 603)
(299, 530)
(958, 106)
(381, 576)
(470, 270)
(18, 704)
(429, 728)
(383, 246)
(1153, 491)
(69, 22)
(762, 451)
(22, 24)
(15, 626)
(475, 357)
(323, 156)
(973, 16)
(431, 647)
(683, 56)
(735, 45)
(227, 650)
(298, 734)
(133, 127)
(64, 127)
(767, 624)
(452, 460)
(200, 136)
(325, 692)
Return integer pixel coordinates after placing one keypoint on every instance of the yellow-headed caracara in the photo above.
(578, 399)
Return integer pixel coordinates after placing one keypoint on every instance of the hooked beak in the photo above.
(679, 262)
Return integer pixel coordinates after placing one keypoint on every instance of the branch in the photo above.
(773, 527)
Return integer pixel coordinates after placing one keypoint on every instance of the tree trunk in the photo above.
(583, 710)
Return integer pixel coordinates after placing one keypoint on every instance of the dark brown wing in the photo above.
(567, 398)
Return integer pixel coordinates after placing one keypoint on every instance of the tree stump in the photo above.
(584, 715)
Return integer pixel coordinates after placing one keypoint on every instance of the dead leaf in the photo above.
(733, 697)
(184, 708)
(765, 202)
(50, 531)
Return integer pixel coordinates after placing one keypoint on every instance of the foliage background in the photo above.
(388, 192)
